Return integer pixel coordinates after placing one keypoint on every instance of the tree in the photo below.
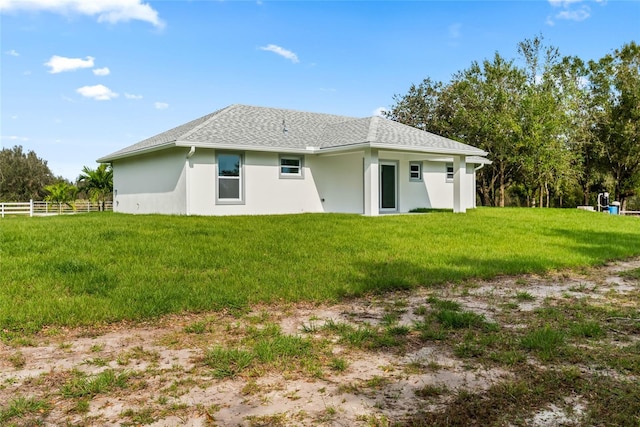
(485, 99)
(579, 102)
(547, 161)
(23, 176)
(478, 107)
(62, 193)
(615, 81)
(98, 183)
(554, 128)
(422, 107)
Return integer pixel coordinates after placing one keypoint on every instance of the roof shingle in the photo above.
(263, 128)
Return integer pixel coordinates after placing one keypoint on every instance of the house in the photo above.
(255, 160)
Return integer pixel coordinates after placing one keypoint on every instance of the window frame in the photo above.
(449, 174)
(241, 195)
(289, 175)
(419, 172)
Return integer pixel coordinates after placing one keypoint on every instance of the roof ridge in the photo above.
(295, 111)
(373, 129)
(213, 115)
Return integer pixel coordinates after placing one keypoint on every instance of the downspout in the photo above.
(192, 150)
(475, 183)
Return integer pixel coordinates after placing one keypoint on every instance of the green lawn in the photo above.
(89, 268)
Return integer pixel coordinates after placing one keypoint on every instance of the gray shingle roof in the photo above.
(261, 128)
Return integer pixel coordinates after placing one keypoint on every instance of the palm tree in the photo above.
(98, 183)
(62, 192)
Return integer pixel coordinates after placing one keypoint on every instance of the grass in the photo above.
(460, 319)
(227, 363)
(577, 353)
(613, 402)
(18, 360)
(367, 336)
(632, 274)
(525, 296)
(81, 385)
(104, 267)
(547, 341)
(265, 347)
(23, 408)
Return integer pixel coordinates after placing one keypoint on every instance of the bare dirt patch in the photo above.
(382, 360)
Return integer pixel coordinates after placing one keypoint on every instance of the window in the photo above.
(291, 167)
(415, 171)
(449, 171)
(230, 178)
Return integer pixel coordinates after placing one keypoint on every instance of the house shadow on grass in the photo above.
(600, 246)
(381, 277)
(591, 248)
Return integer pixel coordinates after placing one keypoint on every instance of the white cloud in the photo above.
(571, 10)
(111, 11)
(282, 52)
(161, 105)
(564, 3)
(14, 117)
(454, 31)
(14, 138)
(132, 96)
(575, 15)
(101, 71)
(60, 64)
(97, 92)
(27, 73)
(12, 52)
(379, 112)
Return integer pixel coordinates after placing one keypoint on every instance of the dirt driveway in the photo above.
(460, 354)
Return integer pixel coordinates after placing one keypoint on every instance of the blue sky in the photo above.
(83, 78)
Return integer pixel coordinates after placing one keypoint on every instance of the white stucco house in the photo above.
(256, 160)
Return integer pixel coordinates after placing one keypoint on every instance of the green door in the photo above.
(388, 187)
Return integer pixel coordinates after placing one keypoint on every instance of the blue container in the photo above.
(613, 210)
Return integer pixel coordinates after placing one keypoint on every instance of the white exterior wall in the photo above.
(440, 189)
(435, 191)
(340, 182)
(264, 191)
(152, 183)
(167, 182)
(329, 184)
(200, 183)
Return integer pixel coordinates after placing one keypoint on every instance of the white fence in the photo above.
(35, 208)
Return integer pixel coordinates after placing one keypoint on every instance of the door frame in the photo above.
(396, 167)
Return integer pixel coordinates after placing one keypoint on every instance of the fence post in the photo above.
(30, 207)
(2, 208)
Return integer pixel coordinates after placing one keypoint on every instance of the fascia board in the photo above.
(292, 150)
(110, 158)
(435, 150)
(240, 147)
(409, 148)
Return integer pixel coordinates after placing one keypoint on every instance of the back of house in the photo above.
(246, 160)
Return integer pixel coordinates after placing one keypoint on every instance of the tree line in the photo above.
(25, 176)
(558, 129)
